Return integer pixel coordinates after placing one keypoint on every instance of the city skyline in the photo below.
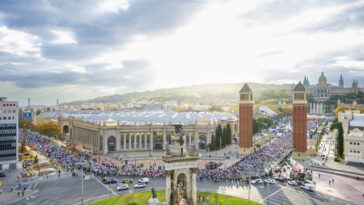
(81, 50)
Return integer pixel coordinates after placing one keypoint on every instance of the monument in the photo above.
(181, 167)
(299, 122)
(246, 120)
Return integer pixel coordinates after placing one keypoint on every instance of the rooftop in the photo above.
(358, 120)
(246, 89)
(299, 87)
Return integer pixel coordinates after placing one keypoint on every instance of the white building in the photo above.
(345, 118)
(354, 146)
(8, 134)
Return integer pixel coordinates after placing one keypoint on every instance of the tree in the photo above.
(255, 126)
(223, 138)
(340, 137)
(340, 141)
(218, 136)
(50, 129)
(228, 134)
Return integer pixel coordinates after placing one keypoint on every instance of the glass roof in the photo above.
(140, 117)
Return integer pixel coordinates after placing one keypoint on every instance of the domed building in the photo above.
(322, 92)
(105, 132)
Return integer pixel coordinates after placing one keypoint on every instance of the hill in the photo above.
(212, 94)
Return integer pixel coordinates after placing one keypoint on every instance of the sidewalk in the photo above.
(12, 197)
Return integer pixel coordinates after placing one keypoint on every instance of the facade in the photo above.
(8, 134)
(322, 91)
(106, 132)
(354, 146)
(299, 122)
(181, 168)
(246, 120)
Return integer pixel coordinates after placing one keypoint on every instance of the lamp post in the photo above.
(82, 188)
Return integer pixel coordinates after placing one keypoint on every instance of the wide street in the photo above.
(67, 190)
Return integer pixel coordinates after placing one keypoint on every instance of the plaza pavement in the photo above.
(67, 190)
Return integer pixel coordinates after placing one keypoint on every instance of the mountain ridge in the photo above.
(203, 94)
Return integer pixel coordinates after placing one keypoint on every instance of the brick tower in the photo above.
(299, 122)
(246, 120)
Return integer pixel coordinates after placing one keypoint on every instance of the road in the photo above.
(67, 190)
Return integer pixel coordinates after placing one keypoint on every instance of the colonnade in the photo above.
(141, 140)
(318, 108)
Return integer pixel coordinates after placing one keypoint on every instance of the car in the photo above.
(280, 179)
(139, 185)
(308, 187)
(109, 181)
(257, 181)
(144, 180)
(269, 181)
(2, 174)
(122, 187)
(293, 183)
(127, 181)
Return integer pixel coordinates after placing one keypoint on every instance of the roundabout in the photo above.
(141, 198)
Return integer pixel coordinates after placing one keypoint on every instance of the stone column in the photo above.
(135, 140)
(164, 138)
(184, 143)
(151, 140)
(140, 140)
(129, 140)
(195, 140)
(124, 140)
(145, 140)
(168, 187)
(105, 145)
(190, 140)
(188, 180)
(194, 188)
(118, 142)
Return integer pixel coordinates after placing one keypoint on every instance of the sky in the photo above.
(73, 50)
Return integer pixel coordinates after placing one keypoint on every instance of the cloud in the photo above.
(350, 18)
(280, 10)
(133, 74)
(55, 43)
(100, 47)
(348, 62)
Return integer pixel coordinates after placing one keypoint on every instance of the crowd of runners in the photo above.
(257, 163)
(71, 161)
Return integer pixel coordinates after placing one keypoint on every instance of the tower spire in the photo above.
(341, 81)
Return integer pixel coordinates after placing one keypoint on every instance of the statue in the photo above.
(178, 128)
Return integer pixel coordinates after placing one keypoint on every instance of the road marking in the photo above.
(274, 193)
(112, 191)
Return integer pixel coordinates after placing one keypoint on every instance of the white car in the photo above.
(308, 187)
(269, 181)
(144, 180)
(122, 187)
(139, 185)
(257, 181)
